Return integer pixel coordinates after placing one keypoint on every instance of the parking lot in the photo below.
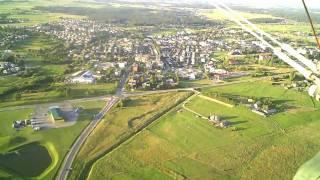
(41, 120)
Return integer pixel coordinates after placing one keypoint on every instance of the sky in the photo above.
(315, 4)
(275, 3)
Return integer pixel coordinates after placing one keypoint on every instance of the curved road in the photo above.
(66, 166)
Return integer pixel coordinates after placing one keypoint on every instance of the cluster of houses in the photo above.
(218, 122)
(192, 53)
(184, 49)
(9, 38)
(195, 48)
(189, 73)
(151, 80)
(189, 54)
(262, 110)
(90, 40)
(147, 71)
(7, 68)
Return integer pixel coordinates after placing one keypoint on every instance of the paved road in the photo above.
(59, 102)
(66, 166)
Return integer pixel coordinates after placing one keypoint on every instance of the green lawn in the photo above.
(56, 141)
(181, 145)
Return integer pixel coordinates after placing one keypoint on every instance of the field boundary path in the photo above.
(216, 101)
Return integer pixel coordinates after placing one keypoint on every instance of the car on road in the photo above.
(69, 169)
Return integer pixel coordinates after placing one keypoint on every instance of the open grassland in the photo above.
(34, 147)
(25, 10)
(287, 28)
(183, 146)
(120, 124)
(218, 15)
(296, 32)
(265, 89)
(290, 30)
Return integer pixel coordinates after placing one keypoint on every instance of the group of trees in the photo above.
(8, 56)
(33, 84)
(133, 16)
(11, 35)
(6, 19)
(57, 54)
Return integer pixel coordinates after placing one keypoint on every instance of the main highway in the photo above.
(66, 166)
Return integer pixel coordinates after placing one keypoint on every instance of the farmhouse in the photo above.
(55, 114)
(224, 124)
(217, 120)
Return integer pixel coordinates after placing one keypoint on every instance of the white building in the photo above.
(85, 78)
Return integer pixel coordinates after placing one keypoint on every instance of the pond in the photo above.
(28, 161)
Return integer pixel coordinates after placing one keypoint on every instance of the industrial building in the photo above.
(55, 114)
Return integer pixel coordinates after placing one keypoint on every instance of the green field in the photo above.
(55, 141)
(218, 15)
(265, 89)
(25, 10)
(120, 124)
(181, 145)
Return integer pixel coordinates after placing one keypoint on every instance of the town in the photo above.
(157, 61)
